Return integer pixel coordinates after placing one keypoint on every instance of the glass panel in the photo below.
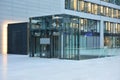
(119, 14)
(99, 10)
(114, 13)
(108, 41)
(80, 5)
(107, 11)
(102, 11)
(67, 4)
(73, 4)
(94, 8)
(118, 28)
(87, 7)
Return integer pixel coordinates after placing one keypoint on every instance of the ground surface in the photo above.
(17, 67)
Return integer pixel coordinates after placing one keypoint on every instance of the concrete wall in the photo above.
(14, 11)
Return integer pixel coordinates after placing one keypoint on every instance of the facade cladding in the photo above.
(84, 25)
(79, 24)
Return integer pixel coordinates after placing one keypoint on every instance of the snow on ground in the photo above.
(17, 67)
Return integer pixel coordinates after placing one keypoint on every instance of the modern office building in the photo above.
(83, 25)
(61, 28)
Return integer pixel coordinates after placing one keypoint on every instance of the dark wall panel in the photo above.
(17, 38)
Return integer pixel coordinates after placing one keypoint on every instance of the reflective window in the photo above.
(116, 13)
(67, 4)
(80, 5)
(109, 12)
(94, 8)
(87, 7)
(104, 10)
(119, 14)
(101, 10)
(111, 27)
(84, 6)
(73, 4)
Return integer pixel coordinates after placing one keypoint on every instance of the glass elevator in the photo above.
(62, 36)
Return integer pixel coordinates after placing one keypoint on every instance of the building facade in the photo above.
(96, 21)
(83, 24)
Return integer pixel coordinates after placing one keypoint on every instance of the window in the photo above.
(119, 14)
(114, 13)
(66, 4)
(94, 8)
(106, 13)
(107, 27)
(81, 24)
(80, 5)
(89, 8)
(109, 12)
(104, 10)
(73, 4)
(101, 10)
(84, 6)
(116, 28)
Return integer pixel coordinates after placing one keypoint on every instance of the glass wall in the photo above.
(111, 35)
(89, 37)
(62, 36)
(88, 7)
(79, 34)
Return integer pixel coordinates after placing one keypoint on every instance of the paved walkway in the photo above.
(17, 67)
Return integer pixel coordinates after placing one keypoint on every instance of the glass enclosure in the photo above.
(62, 36)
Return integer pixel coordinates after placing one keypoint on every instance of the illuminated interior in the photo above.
(75, 4)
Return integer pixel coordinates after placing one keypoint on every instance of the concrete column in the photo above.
(101, 34)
